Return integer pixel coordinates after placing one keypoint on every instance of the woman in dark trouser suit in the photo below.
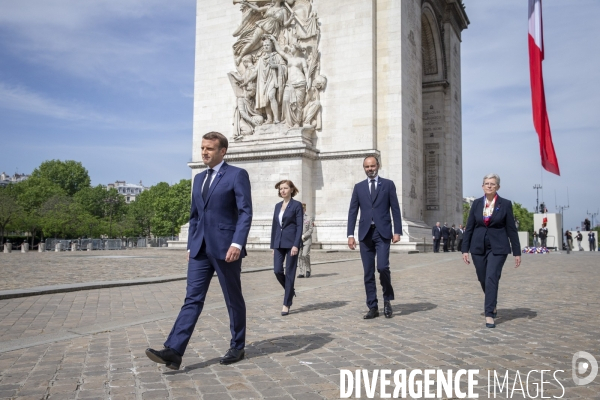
(490, 225)
(286, 239)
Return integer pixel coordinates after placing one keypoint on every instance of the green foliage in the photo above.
(141, 214)
(171, 206)
(70, 175)
(525, 218)
(466, 211)
(35, 191)
(92, 199)
(10, 210)
(62, 217)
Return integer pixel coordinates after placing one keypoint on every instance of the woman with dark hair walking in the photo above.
(286, 239)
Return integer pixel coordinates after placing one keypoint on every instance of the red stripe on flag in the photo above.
(540, 113)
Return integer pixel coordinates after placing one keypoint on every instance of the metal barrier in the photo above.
(65, 244)
(113, 244)
(105, 244)
(96, 244)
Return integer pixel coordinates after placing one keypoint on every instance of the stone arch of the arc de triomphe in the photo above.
(346, 79)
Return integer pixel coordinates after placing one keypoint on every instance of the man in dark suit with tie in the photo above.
(436, 232)
(375, 197)
(220, 219)
(445, 236)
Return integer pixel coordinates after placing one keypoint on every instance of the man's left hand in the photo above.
(233, 254)
(396, 238)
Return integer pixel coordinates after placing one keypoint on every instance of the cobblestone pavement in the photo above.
(33, 269)
(90, 344)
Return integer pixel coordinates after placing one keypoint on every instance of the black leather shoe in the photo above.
(373, 313)
(300, 276)
(387, 309)
(165, 356)
(232, 356)
(308, 274)
(487, 325)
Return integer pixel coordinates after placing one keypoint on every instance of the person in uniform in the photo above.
(304, 257)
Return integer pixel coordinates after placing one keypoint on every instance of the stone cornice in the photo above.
(299, 152)
(435, 84)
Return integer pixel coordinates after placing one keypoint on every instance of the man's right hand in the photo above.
(188, 256)
(351, 243)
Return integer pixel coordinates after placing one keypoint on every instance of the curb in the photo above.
(74, 287)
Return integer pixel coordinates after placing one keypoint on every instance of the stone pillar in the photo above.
(441, 26)
(24, 247)
(58, 247)
(7, 247)
(41, 247)
(73, 246)
(89, 246)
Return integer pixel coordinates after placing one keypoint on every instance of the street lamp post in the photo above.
(592, 215)
(537, 188)
(111, 201)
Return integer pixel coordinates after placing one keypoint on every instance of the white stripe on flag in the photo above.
(535, 22)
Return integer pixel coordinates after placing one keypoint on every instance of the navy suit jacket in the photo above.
(445, 232)
(288, 234)
(225, 217)
(436, 233)
(501, 228)
(378, 211)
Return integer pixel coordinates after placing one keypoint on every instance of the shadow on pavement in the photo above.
(407, 309)
(320, 306)
(322, 275)
(509, 314)
(296, 344)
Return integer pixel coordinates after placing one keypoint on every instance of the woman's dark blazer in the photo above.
(290, 234)
(501, 228)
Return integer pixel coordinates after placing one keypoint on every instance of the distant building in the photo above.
(6, 180)
(468, 200)
(128, 190)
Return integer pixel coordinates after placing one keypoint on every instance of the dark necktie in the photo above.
(207, 184)
(373, 190)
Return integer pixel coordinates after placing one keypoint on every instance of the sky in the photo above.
(110, 83)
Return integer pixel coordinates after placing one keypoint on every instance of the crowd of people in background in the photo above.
(450, 237)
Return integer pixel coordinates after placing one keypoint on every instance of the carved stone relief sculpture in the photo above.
(276, 81)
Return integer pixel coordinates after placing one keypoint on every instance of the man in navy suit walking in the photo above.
(220, 219)
(375, 197)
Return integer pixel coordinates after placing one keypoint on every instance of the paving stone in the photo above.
(438, 323)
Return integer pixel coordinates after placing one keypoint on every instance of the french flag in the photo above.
(538, 97)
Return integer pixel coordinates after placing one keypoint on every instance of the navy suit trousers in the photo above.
(200, 271)
(436, 245)
(288, 278)
(372, 246)
(489, 269)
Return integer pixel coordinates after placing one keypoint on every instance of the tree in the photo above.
(92, 200)
(63, 217)
(172, 207)
(70, 175)
(10, 210)
(32, 193)
(525, 218)
(114, 207)
(466, 211)
(141, 213)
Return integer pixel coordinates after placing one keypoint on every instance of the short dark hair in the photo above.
(294, 189)
(223, 142)
(371, 156)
